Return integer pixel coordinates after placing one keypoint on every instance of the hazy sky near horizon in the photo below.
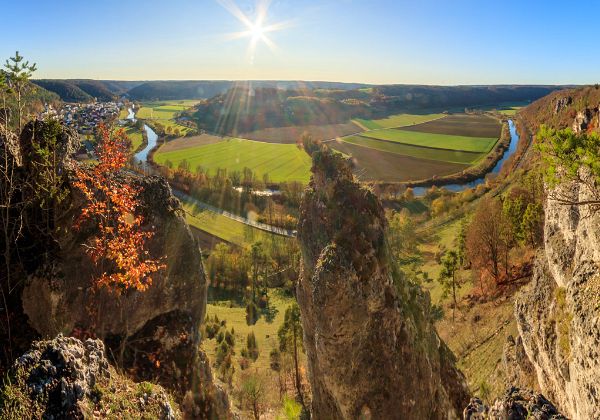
(377, 41)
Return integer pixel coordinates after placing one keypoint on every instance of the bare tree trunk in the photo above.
(297, 370)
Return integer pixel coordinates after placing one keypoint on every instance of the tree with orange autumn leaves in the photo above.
(119, 247)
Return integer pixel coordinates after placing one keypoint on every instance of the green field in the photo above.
(223, 227)
(510, 110)
(438, 141)
(135, 136)
(164, 113)
(281, 162)
(265, 333)
(123, 113)
(415, 151)
(399, 120)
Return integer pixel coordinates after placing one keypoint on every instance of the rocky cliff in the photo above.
(557, 314)
(154, 334)
(371, 346)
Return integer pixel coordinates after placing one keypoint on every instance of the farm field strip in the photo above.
(460, 125)
(373, 165)
(398, 120)
(430, 153)
(437, 141)
(164, 112)
(282, 162)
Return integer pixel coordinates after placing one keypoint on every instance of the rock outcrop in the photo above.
(557, 314)
(64, 378)
(371, 346)
(153, 334)
(562, 103)
(515, 404)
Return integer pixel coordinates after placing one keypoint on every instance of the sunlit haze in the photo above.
(429, 42)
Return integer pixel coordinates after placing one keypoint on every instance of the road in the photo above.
(262, 226)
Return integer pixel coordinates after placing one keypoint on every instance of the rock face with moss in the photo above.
(371, 345)
(153, 334)
(557, 314)
(66, 378)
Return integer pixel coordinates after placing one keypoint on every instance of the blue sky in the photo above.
(372, 41)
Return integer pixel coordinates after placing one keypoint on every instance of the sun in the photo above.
(256, 30)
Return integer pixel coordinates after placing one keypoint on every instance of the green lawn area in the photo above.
(281, 162)
(399, 120)
(135, 136)
(441, 141)
(415, 151)
(223, 227)
(510, 110)
(265, 333)
(164, 112)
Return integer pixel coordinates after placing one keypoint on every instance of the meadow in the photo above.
(510, 111)
(164, 112)
(398, 120)
(222, 227)
(280, 162)
(265, 333)
(135, 136)
(434, 140)
(443, 155)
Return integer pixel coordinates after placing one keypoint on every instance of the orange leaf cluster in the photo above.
(112, 205)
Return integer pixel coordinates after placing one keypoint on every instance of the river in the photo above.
(142, 155)
(512, 147)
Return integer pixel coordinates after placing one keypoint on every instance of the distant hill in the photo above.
(401, 97)
(203, 89)
(565, 108)
(243, 109)
(44, 96)
(171, 90)
(68, 92)
(246, 107)
(381, 99)
(85, 90)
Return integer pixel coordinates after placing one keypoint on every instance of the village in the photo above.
(84, 117)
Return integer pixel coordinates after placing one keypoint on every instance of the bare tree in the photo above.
(486, 243)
